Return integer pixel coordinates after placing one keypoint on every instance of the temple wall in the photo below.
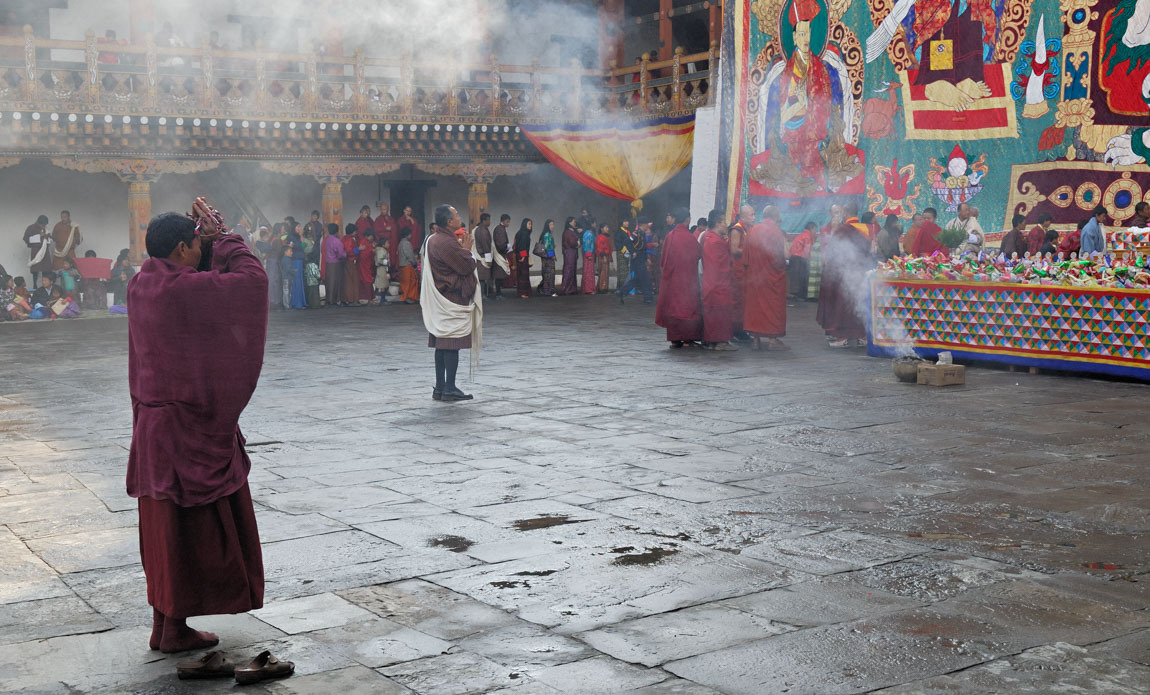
(1002, 117)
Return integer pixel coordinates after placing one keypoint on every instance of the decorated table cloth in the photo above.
(1126, 239)
(1047, 326)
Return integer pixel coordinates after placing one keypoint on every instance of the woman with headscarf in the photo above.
(547, 240)
(523, 258)
(570, 256)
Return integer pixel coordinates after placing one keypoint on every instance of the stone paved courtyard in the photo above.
(607, 516)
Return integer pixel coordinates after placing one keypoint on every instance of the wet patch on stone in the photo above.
(544, 521)
(651, 556)
(510, 585)
(456, 544)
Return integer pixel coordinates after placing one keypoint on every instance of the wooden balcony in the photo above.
(89, 80)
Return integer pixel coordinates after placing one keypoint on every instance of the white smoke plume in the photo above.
(855, 282)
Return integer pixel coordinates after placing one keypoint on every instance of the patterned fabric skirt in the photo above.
(463, 343)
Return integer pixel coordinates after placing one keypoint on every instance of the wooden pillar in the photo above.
(476, 200)
(332, 204)
(611, 20)
(715, 21)
(139, 215)
(666, 37)
(142, 19)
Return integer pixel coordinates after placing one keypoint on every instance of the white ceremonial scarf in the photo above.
(67, 245)
(446, 319)
(45, 241)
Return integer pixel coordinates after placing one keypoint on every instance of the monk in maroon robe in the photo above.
(926, 241)
(351, 243)
(367, 265)
(364, 223)
(847, 259)
(765, 313)
(195, 349)
(679, 309)
(737, 237)
(718, 285)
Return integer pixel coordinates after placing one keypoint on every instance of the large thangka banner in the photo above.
(1013, 106)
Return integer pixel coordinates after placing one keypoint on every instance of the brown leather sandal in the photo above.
(211, 665)
(263, 667)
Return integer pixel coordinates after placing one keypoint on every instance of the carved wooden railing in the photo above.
(91, 76)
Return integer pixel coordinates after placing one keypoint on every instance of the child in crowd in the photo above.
(43, 293)
(1050, 245)
(120, 278)
(382, 277)
(408, 276)
(68, 278)
(14, 299)
(311, 277)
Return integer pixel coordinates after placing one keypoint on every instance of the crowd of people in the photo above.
(58, 288)
(379, 260)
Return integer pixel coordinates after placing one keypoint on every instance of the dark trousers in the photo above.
(333, 283)
(639, 280)
(446, 366)
(798, 276)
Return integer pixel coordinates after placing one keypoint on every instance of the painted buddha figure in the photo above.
(805, 93)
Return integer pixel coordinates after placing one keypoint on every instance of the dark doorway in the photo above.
(413, 193)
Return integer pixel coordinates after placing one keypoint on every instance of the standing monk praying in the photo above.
(452, 312)
(765, 315)
(679, 309)
(195, 349)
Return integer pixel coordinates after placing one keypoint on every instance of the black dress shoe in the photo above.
(437, 394)
(454, 394)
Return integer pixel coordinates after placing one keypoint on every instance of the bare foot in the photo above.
(944, 93)
(157, 630)
(974, 90)
(178, 637)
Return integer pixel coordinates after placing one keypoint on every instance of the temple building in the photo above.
(118, 109)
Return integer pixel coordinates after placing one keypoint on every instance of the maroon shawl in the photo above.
(195, 349)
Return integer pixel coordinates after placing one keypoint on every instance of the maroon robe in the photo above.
(737, 236)
(363, 225)
(765, 313)
(843, 288)
(926, 241)
(195, 350)
(718, 289)
(679, 309)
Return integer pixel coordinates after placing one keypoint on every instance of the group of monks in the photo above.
(729, 282)
(742, 289)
